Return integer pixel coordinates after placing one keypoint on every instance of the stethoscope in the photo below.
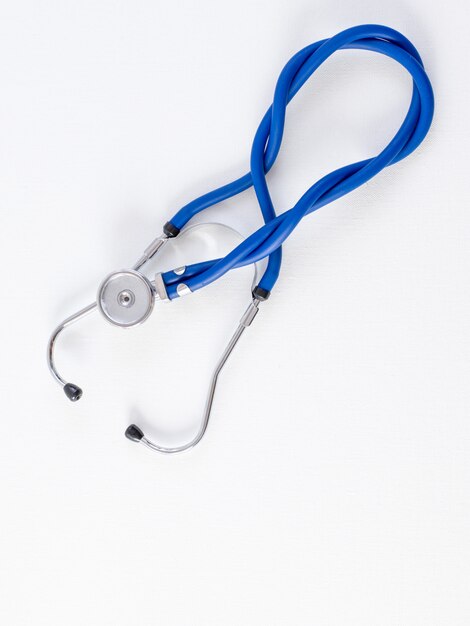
(127, 297)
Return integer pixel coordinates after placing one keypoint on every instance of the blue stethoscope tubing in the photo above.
(267, 240)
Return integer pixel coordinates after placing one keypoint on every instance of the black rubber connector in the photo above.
(134, 433)
(261, 294)
(73, 392)
(170, 230)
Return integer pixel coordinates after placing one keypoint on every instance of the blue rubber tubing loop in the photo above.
(268, 239)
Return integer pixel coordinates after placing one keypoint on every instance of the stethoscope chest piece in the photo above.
(125, 298)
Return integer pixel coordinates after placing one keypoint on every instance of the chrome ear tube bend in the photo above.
(134, 433)
(72, 391)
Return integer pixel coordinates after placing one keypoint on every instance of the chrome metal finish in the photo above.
(179, 271)
(250, 314)
(125, 298)
(245, 321)
(183, 290)
(53, 339)
(160, 289)
(150, 251)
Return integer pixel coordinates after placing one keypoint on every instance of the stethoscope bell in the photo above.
(125, 298)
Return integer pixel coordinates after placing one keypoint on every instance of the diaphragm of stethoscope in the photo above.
(125, 298)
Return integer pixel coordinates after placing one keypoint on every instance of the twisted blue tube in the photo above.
(267, 240)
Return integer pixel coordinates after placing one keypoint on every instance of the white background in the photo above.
(333, 485)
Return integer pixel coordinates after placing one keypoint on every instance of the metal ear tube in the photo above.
(134, 433)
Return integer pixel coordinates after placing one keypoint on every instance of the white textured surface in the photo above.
(333, 485)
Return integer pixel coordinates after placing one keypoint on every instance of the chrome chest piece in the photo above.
(125, 298)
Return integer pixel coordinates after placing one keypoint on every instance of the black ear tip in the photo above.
(134, 433)
(73, 392)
